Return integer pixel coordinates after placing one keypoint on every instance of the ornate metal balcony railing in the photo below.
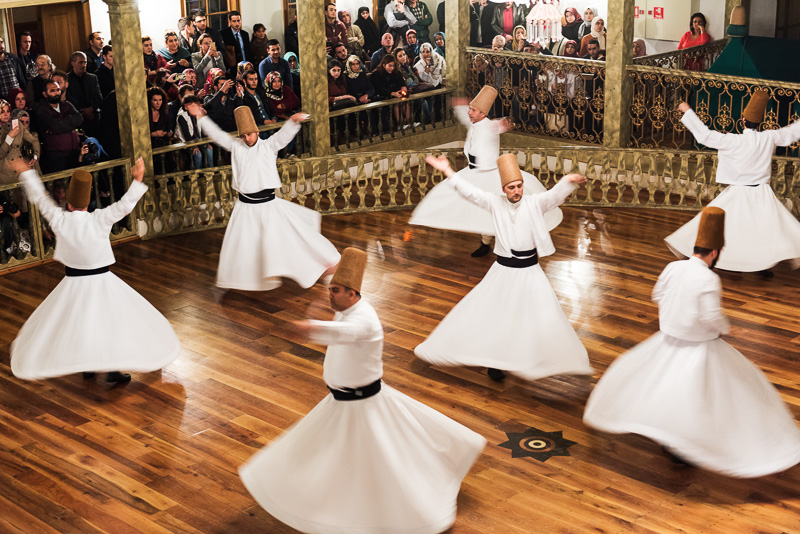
(696, 58)
(717, 99)
(27, 239)
(548, 95)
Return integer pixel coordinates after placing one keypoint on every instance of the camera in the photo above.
(93, 155)
(9, 208)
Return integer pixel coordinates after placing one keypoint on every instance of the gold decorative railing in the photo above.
(27, 239)
(717, 99)
(394, 118)
(548, 95)
(696, 58)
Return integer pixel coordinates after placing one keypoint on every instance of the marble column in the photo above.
(456, 15)
(618, 85)
(129, 79)
(311, 21)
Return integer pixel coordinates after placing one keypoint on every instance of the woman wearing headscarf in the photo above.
(282, 100)
(431, 67)
(588, 16)
(598, 32)
(372, 38)
(294, 66)
(357, 82)
(570, 49)
(439, 41)
(517, 43)
(355, 37)
(574, 22)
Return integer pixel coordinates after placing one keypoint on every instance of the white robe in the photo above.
(385, 464)
(759, 230)
(89, 323)
(445, 209)
(690, 391)
(512, 319)
(277, 239)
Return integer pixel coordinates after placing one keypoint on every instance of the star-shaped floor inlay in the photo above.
(537, 444)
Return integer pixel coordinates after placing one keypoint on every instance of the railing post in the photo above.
(618, 85)
(457, 24)
(129, 80)
(314, 89)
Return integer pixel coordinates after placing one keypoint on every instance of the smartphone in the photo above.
(213, 46)
(14, 123)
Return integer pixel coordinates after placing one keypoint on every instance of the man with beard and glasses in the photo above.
(57, 120)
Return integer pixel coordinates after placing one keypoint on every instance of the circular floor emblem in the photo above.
(538, 444)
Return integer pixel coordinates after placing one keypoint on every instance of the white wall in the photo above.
(155, 16)
(714, 10)
(267, 12)
(762, 18)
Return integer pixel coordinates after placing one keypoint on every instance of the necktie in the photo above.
(241, 44)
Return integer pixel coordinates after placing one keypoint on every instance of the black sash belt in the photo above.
(472, 160)
(526, 258)
(265, 195)
(69, 271)
(348, 394)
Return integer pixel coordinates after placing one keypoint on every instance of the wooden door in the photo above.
(65, 29)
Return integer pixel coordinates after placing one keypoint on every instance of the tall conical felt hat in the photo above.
(484, 100)
(244, 120)
(509, 169)
(754, 112)
(711, 233)
(738, 16)
(79, 192)
(350, 271)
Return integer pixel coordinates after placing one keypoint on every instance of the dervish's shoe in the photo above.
(89, 375)
(115, 377)
(766, 274)
(496, 374)
(481, 251)
(674, 458)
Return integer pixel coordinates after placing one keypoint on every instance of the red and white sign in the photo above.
(658, 12)
(636, 12)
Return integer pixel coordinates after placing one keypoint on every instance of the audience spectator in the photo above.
(5, 112)
(355, 39)
(639, 48)
(201, 26)
(190, 78)
(587, 26)
(241, 68)
(292, 37)
(570, 49)
(696, 36)
(536, 48)
(338, 97)
(208, 57)
(506, 18)
(398, 19)
(187, 130)
(62, 78)
(186, 33)
(358, 84)
(517, 42)
(94, 54)
(294, 68)
(372, 37)
(57, 120)
(598, 34)
(389, 83)
(44, 69)
(335, 30)
(431, 67)
(593, 51)
(105, 72)
(412, 46)
(498, 43)
(18, 99)
(12, 73)
(440, 18)
(26, 58)
(255, 97)
(152, 61)
(237, 42)
(274, 62)
(160, 132)
(180, 58)
(406, 69)
(174, 106)
(339, 51)
(221, 101)
(387, 46)
(481, 15)
(424, 18)
(258, 44)
(573, 25)
(439, 43)
(17, 142)
(282, 100)
(83, 92)
(211, 79)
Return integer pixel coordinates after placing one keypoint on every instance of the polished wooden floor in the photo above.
(161, 454)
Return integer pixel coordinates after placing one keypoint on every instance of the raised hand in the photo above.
(195, 110)
(18, 165)
(300, 117)
(441, 163)
(576, 178)
(684, 107)
(137, 170)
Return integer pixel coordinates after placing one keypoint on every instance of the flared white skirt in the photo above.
(267, 242)
(511, 320)
(93, 323)
(702, 400)
(386, 464)
(759, 231)
(444, 208)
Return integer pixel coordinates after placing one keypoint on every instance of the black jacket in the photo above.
(232, 52)
(251, 103)
(84, 91)
(105, 77)
(484, 20)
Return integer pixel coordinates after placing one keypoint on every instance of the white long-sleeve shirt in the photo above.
(254, 167)
(355, 346)
(518, 226)
(483, 139)
(689, 297)
(746, 158)
(394, 22)
(82, 240)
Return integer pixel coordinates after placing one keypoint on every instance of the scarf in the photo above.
(348, 68)
(274, 94)
(600, 36)
(368, 28)
(439, 50)
(288, 55)
(340, 16)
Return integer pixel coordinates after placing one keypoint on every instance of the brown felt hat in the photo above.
(754, 112)
(509, 169)
(484, 100)
(79, 192)
(711, 233)
(350, 271)
(739, 16)
(245, 122)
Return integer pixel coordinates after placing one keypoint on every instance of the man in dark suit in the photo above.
(83, 92)
(105, 72)
(480, 20)
(237, 42)
(201, 26)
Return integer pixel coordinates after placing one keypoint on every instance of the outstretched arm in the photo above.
(37, 193)
(287, 132)
(125, 205)
(559, 192)
(477, 196)
(209, 127)
(701, 132)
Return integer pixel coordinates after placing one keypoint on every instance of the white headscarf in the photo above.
(600, 36)
(586, 27)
